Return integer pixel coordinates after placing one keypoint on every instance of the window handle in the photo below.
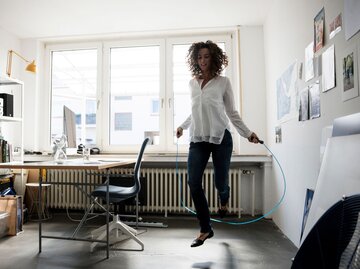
(169, 102)
(162, 102)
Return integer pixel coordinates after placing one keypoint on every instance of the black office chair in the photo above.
(118, 194)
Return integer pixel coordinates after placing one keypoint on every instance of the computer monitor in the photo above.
(347, 125)
(70, 126)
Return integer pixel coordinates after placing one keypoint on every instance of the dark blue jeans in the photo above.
(199, 154)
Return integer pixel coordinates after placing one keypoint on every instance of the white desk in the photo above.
(93, 164)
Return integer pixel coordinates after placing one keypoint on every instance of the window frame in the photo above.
(45, 140)
(106, 147)
(166, 103)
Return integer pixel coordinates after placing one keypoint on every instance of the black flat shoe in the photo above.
(222, 212)
(198, 242)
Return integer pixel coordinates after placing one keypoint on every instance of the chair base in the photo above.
(126, 233)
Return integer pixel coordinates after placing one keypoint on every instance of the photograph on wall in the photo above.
(314, 100)
(286, 89)
(328, 69)
(308, 199)
(351, 17)
(349, 73)
(278, 136)
(318, 66)
(319, 22)
(335, 26)
(304, 105)
(309, 62)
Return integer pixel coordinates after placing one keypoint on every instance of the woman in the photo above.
(212, 106)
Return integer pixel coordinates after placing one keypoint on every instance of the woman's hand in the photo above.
(253, 138)
(179, 132)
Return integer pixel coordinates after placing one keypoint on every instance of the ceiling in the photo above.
(54, 18)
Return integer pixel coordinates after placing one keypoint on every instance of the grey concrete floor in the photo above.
(252, 246)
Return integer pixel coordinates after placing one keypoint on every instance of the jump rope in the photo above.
(276, 206)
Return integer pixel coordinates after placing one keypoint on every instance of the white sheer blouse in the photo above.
(211, 109)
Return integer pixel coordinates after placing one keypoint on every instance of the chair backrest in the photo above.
(138, 163)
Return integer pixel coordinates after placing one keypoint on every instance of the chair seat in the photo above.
(116, 193)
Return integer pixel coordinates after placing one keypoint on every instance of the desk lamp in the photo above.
(31, 67)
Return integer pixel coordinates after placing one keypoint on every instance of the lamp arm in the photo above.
(9, 61)
(12, 51)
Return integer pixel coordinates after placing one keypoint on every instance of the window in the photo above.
(73, 83)
(135, 73)
(123, 91)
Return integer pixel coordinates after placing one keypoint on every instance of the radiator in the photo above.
(165, 189)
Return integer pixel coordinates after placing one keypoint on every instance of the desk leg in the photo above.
(40, 204)
(107, 212)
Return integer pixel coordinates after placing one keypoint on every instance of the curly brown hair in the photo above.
(219, 59)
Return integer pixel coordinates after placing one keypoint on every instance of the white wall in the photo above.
(8, 41)
(287, 31)
(33, 100)
(252, 83)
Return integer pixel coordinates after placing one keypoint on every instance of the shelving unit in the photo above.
(12, 128)
(10, 119)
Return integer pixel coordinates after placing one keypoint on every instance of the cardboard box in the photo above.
(13, 205)
(4, 218)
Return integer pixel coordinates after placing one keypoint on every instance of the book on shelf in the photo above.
(6, 154)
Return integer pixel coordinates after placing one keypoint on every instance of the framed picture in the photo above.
(335, 26)
(308, 199)
(349, 79)
(319, 22)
